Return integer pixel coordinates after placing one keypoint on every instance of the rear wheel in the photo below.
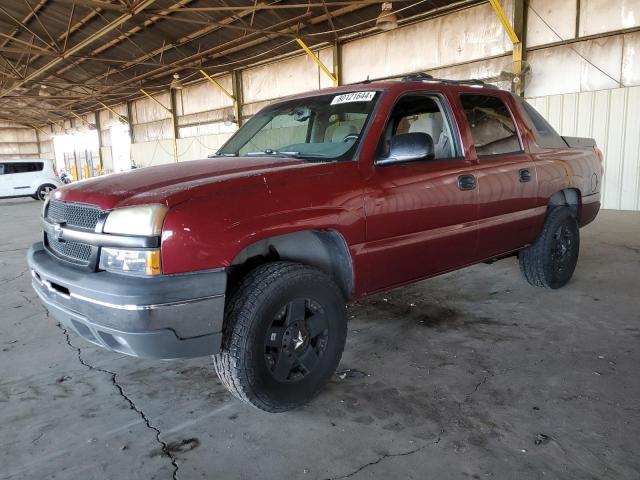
(551, 260)
(285, 329)
(43, 191)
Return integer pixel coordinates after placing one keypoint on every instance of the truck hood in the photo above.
(174, 183)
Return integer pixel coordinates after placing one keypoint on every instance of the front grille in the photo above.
(74, 214)
(78, 253)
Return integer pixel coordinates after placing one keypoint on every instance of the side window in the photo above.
(420, 113)
(543, 132)
(22, 167)
(37, 166)
(491, 125)
(2, 168)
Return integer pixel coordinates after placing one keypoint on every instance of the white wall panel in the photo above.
(631, 59)
(562, 69)
(146, 154)
(286, 77)
(109, 119)
(558, 16)
(204, 96)
(146, 110)
(463, 36)
(480, 69)
(612, 117)
(598, 16)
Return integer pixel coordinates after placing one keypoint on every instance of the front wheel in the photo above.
(551, 260)
(43, 191)
(285, 330)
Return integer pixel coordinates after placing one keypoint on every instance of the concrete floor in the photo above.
(471, 375)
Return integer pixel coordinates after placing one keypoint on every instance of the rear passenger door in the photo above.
(420, 214)
(506, 175)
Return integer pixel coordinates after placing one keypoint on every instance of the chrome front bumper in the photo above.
(169, 316)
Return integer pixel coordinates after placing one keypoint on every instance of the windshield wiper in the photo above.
(274, 153)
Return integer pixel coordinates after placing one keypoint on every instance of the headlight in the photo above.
(139, 220)
(135, 262)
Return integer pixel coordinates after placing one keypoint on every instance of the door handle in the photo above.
(524, 175)
(466, 182)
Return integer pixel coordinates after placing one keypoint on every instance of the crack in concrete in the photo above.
(382, 457)
(467, 397)
(14, 250)
(9, 280)
(164, 447)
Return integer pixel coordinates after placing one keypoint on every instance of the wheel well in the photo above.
(324, 249)
(569, 197)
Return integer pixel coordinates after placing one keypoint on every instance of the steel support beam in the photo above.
(236, 82)
(337, 62)
(96, 115)
(172, 112)
(130, 122)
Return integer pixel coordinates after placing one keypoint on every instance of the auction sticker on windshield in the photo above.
(353, 97)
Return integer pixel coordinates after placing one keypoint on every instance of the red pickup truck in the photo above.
(319, 199)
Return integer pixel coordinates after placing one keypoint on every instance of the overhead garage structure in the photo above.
(471, 373)
(72, 66)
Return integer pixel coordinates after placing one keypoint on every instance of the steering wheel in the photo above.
(351, 136)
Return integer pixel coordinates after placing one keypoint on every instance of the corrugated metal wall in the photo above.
(612, 117)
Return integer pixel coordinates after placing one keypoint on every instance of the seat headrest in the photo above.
(342, 131)
(427, 125)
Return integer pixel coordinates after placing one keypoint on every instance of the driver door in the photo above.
(420, 214)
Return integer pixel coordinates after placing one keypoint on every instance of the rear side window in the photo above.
(2, 169)
(491, 124)
(543, 132)
(23, 167)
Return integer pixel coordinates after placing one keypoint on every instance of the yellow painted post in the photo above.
(513, 36)
(317, 61)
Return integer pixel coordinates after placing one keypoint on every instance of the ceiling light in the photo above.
(387, 20)
(176, 83)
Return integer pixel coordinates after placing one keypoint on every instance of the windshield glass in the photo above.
(322, 127)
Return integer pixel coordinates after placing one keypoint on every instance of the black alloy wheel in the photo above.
(296, 340)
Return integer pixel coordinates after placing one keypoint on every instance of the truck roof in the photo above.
(409, 82)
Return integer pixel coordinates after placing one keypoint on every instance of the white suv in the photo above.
(27, 178)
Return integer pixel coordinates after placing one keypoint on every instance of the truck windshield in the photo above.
(326, 127)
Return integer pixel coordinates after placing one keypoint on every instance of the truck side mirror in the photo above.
(409, 147)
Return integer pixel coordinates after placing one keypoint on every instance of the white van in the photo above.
(27, 178)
